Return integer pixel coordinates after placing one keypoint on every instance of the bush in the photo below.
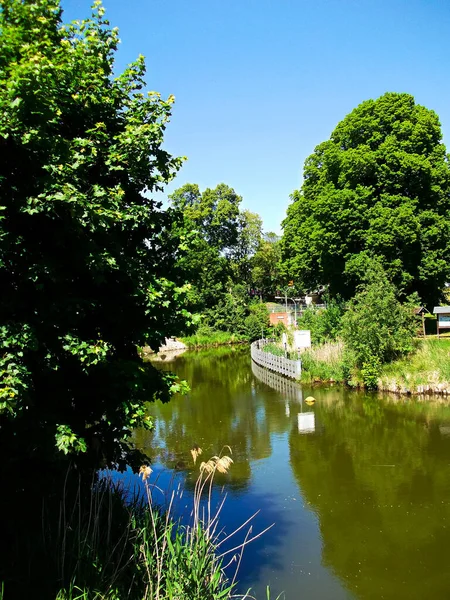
(325, 324)
(377, 328)
(257, 322)
(278, 330)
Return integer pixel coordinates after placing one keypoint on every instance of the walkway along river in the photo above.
(358, 486)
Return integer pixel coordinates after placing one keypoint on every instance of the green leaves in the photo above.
(87, 258)
(67, 441)
(377, 328)
(367, 190)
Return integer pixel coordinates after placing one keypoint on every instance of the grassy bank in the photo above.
(215, 338)
(426, 370)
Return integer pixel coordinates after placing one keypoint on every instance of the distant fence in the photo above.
(279, 364)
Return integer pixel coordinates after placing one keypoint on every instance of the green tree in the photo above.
(377, 328)
(378, 188)
(266, 264)
(86, 256)
(220, 250)
(248, 240)
(214, 213)
(257, 322)
(325, 324)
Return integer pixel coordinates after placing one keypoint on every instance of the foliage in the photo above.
(233, 317)
(205, 337)
(218, 256)
(249, 237)
(257, 322)
(266, 264)
(323, 363)
(377, 327)
(370, 372)
(230, 311)
(214, 213)
(324, 323)
(277, 330)
(378, 188)
(115, 542)
(277, 350)
(427, 368)
(86, 256)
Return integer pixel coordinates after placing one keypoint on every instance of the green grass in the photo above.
(273, 348)
(215, 338)
(428, 366)
(323, 363)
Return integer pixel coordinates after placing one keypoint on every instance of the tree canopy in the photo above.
(214, 213)
(266, 264)
(87, 258)
(378, 188)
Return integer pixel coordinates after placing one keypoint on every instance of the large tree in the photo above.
(214, 213)
(266, 264)
(378, 188)
(86, 256)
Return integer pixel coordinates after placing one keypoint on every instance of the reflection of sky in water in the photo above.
(345, 524)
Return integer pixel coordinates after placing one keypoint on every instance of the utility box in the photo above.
(302, 339)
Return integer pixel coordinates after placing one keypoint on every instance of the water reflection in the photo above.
(358, 485)
(378, 478)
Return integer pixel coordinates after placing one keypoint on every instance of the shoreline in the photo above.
(441, 389)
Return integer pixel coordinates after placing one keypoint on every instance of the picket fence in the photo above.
(279, 364)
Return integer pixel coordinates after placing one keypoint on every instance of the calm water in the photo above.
(358, 486)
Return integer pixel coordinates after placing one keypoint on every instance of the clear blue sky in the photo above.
(259, 83)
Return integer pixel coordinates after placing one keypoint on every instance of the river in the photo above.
(357, 485)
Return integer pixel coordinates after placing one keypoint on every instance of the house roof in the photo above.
(439, 310)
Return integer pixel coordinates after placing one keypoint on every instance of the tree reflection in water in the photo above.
(378, 477)
(375, 471)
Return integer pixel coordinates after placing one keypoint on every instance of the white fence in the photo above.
(279, 364)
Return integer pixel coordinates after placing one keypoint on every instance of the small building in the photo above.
(280, 317)
(443, 318)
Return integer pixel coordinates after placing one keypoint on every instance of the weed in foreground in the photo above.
(125, 546)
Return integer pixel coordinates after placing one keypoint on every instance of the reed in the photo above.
(121, 544)
(323, 363)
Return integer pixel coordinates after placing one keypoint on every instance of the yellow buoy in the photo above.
(310, 400)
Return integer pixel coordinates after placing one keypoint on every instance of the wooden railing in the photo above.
(279, 364)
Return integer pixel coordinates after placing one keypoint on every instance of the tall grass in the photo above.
(323, 363)
(114, 543)
(428, 367)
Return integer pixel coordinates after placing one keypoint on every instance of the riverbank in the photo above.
(425, 371)
(213, 340)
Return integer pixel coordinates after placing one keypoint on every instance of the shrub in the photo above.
(325, 324)
(377, 327)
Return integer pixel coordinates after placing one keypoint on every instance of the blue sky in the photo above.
(259, 83)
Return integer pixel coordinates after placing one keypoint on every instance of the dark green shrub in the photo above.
(377, 327)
